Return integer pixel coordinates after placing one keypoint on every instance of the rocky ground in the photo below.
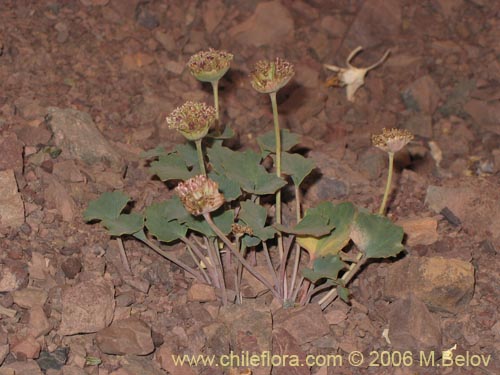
(85, 87)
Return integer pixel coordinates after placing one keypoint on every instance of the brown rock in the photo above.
(201, 293)
(89, 3)
(424, 93)
(420, 231)
(27, 348)
(476, 202)
(57, 196)
(485, 114)
(285, 344)
(87, 307)
(443, 284)
(34, 135)
(11, 203)
(73, 370)
(22, 368)
(136, 61)
(377, 20)
(39, 325)
(412, 327)
(138, 283)
(250, 329)
(133, 365)
(38, 267)
(4, 351)
(13, 276)
(128, 336)
(305, 324)
(213, 13)
(251, 287)
(419, 124)
(270, 24)
(71, 267)
(11, 150)
(79, 138)
(29, 297)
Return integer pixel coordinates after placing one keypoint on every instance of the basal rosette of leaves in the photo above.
(326, 247)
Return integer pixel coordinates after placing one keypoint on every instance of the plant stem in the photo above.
(215, 88)
(297, 246)
(238, 256)
(239, 272)
(270, 264)
(220, 268)
(199, 150)
(213, 262)
(351, 272)
(192, 249)
(297, 289)
(381, 211)
(123, 255)
(166, 255)
(277, 137)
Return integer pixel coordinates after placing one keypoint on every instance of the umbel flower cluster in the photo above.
(270, 76)
(192, 120)
(392, 140)
(200, 195)
(211, 65)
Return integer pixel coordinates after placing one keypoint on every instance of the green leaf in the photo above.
(161, 221)
(141, 236)
(250, 241)
(316, 222)
(245, 169)
(229, 188)
(124, 224)
(267, 141)
(255, 216)
(327, 267)
(342, 218)
(108, 206)
(170, 167)
(296, 166)
(155, 152)
(343, 293)
(223, 219)
(188, 153)
(174, 209)
(377, 236)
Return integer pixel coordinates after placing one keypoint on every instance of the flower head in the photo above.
(270, 76)
(200, 195)
(392, 140)
(209, 66)
(192, 120)
(239, 230)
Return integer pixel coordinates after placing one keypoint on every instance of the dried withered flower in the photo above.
(392, 140)
(200, 195)
(351, 77)
(192, 120)
(270, 76)
(210, 65)
(240, 230)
